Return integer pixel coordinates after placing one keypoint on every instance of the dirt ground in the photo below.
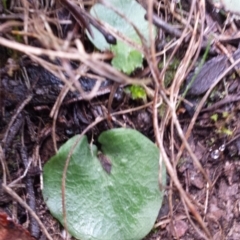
(195, 124)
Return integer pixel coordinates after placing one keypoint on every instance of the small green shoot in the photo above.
(225, 114)
(225, 131)
(214, 117)
(136, 92)
(221, 122)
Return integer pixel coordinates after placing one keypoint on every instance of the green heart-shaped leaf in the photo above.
(126, 58)
(121, 202)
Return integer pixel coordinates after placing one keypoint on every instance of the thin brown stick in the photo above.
(4, 165)
(20, 108)
(32, 213)
(97, 120)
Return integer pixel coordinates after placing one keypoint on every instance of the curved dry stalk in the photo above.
(159, 132)
(130, 110)
(55, 109)
(97, 120)
(183, 66)
(179, 17)
(4, 165)
(19, 109)
(192, 223)
(178, 79)
(9, 24)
